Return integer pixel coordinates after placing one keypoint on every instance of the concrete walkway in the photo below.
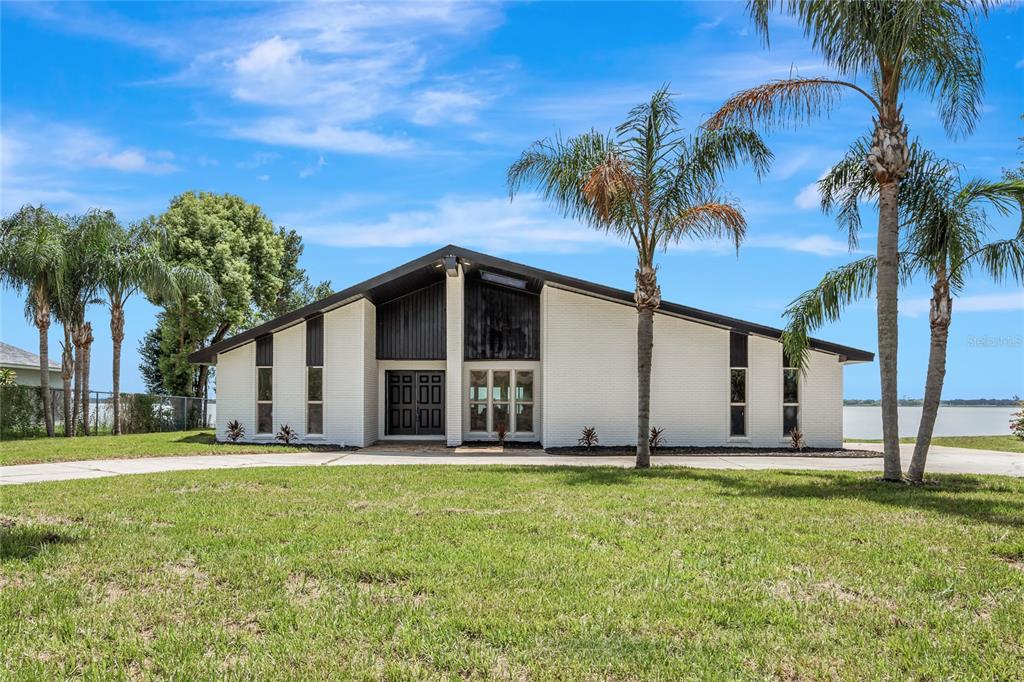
(940, 460)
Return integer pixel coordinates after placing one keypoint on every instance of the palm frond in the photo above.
(1001, 260)
(783, 103)
(712, 220)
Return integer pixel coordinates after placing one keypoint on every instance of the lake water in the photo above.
(866, 422)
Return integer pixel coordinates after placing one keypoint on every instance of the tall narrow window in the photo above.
(265, 385)
(315, 400)
(478, 400)
(790, 396)
(737, 385)
(524, 401)
(500, 396)
(315, 375)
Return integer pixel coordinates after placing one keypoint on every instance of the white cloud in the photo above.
(1019, 65)
(294, 132)
(816, 244)
(256, 160)
(446, 106)
(710, 24)
(808, 198)
(492, 224)
(980, 303)
(313, 169)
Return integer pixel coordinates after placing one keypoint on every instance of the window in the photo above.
(265, 384)
(737, 385)
(315, 400)
(264, 400)
(315, 375)
(790, 397)
(493, 403)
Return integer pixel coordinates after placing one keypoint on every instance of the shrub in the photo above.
(796, 439)
(7, 377)
(657, 438)
(140, 413)
(502, 431)
(588, 438)
(21, 411)
(1017, 421)
(235, 430)
(287, 435)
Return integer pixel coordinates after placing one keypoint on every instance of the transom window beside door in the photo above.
(501, 398)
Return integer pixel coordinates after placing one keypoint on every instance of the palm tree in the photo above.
(31, 260)
(130, 263)
(896, 46)
(945, 239)
(652, 185)
(84, 245)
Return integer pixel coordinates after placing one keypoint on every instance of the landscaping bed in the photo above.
(715, 451)
(512, 573)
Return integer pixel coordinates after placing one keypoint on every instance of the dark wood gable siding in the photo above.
(413, 327)
(315, 341)
(265, 351)
(501, 323)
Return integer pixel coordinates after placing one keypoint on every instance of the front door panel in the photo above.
(415, 403)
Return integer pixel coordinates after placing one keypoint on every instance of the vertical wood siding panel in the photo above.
(412, 327)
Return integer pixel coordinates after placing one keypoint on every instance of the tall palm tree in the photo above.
(130, 263)
(85, 243)
(31, 260)
(895, 46)
(946, 232)
(652, 185)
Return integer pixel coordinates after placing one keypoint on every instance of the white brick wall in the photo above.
(346, 365)
(369, 373)
(454, 395)
(589, 379)
(290, 379)
(236, 389)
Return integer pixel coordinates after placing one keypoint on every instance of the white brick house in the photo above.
(457, 345)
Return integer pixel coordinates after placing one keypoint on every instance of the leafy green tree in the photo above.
(150, 353)
(32, 261)
(235, 244)
(946, 235)
(649, 184)
(895, 46)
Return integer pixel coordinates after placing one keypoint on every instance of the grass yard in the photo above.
(512, 573)
(34, 450)
(1007, 443)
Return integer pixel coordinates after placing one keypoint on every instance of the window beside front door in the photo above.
(501, 397)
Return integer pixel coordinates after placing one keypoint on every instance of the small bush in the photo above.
(796, 439)
(287, 435)
(588, 438)
(235, 431)
(657, 438)
(1017, 421)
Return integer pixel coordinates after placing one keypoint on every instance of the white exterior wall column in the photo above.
(454, 304)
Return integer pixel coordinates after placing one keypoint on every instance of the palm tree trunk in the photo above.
(67, 371)
(888, 160)
(76, 402)
(648, 298)
(940, 316)
(42, 320)
(87, 349)
(117, 335)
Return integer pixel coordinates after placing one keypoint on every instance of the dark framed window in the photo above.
(737, 385)
(264, 400)
(501, 398)
(790, 397)
(315, 400)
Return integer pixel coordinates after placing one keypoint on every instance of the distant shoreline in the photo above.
(955, 402)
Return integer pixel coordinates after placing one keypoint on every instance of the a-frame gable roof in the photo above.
(423, 270)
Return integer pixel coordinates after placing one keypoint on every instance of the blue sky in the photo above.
(383, 131)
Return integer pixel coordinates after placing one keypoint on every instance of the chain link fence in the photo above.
(21, 412)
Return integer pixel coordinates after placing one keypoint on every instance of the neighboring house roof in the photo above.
(423, 270)
(12, 356)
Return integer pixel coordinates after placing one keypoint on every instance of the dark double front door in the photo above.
(415, 403)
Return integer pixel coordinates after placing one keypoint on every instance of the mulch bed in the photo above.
(715, 451)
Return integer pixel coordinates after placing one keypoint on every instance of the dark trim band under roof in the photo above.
(380, 283)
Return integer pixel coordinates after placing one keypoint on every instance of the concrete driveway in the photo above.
(940, 460)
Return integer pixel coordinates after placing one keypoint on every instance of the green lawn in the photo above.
(1006, 443)
(512, 573)
(32, 450)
